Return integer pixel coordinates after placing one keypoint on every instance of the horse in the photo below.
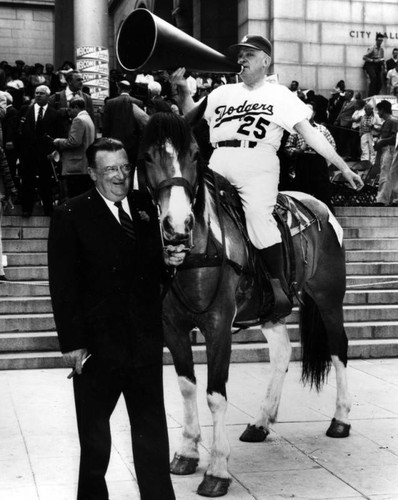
(211, 293)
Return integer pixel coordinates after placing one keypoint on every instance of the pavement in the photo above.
(39, 449)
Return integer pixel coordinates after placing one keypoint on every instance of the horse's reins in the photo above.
(181, 297)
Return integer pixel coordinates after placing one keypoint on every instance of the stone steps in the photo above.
(241, 353)
(27, 331)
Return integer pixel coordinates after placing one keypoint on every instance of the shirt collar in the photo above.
(113, 208)
(37, 106)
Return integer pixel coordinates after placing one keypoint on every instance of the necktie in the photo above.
(125, 221)
(40, 115)
(39, 120)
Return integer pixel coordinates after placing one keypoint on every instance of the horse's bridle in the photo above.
(155, 194)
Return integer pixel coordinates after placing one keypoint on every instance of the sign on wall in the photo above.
(93, 62)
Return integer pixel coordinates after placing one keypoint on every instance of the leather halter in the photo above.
(155, 194)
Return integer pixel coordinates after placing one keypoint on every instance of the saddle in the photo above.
(255, 292)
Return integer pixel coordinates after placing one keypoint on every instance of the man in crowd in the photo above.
(123, 119)
(60, 100)
(39, 124)
(392, 62)
(156, 103)
(311, 169)
(392, 79)
(374, 65)
(73, 149)
(246, 122)
(385, 152)
(105, 266)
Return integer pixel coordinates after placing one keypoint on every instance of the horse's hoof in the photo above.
(183, 466)
(254, 434)
(212, 486)
(338, 429)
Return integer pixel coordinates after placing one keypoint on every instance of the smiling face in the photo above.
(113, 184)
(254, 65)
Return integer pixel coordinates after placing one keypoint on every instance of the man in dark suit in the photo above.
(105, 287)
(61, 100)
(123, 119)
(38, 125)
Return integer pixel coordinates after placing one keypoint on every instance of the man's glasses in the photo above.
(115, 169)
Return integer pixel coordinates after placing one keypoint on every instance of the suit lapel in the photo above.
(105, 217)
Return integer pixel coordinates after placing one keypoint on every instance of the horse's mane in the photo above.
(163, 127)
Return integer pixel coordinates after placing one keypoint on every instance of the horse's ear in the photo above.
(193, 117)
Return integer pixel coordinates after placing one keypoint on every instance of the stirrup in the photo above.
(282, 303)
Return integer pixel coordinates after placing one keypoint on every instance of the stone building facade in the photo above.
(27, 31)
(316, 42)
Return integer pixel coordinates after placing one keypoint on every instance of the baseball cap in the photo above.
(257, 42)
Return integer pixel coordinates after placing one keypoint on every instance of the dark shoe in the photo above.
(378, 204)
(394, 204)
(25, 215)
(3, 278)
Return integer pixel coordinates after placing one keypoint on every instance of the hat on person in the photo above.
(19, 62)
(15, 84)
(125, 83)
(257, 42)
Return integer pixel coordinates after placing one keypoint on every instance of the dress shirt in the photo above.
(69, 94)
(114, 209)
(37, 107)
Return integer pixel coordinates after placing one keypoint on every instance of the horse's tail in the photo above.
(316, 357)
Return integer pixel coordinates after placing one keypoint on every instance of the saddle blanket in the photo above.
(301, 220)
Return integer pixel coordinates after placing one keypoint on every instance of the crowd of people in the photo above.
(45, 153)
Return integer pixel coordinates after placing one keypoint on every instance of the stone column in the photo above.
(91, 46)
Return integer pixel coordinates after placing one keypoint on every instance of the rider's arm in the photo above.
(320, 144)
(183, 95)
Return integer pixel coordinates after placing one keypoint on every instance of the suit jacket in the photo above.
(34, 143)
(81, 135)
(119, 122)
(344, 117)
(105, 288)
(59, 102)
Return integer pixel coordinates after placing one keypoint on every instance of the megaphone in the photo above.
(148, 43)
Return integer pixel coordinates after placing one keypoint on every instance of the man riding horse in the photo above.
(246, 122)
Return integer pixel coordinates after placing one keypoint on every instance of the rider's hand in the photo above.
(177, 77)
(353, 179)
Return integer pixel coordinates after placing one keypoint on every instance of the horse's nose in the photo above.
(167, 226)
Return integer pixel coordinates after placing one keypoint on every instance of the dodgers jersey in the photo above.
(236, 112)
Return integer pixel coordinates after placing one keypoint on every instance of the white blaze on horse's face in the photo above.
(176, 210)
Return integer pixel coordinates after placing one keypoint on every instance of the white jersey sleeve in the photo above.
(236, 112)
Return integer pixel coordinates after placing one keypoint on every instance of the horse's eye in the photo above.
(147, 157)
(196, 156)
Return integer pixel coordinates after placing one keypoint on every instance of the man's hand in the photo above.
(177, 78)
(174, 255)
(74, 359)
(353, 179)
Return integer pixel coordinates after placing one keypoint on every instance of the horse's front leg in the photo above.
(279, 352)
(186, 459)
(340, 426)
(217, 479)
